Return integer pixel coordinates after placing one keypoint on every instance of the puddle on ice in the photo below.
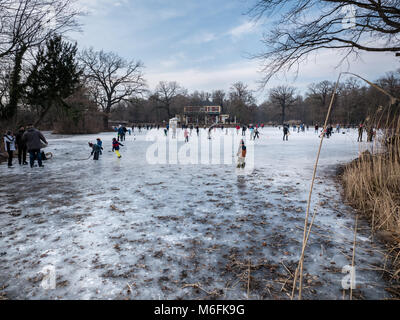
(122, 228)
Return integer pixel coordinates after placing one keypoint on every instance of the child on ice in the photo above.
(100, 144)
(96, 150)
(241, 155)
(186, 134)
(115, 147)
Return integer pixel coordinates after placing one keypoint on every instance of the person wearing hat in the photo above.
(9, 145)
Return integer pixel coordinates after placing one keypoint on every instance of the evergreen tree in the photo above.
(54, 77)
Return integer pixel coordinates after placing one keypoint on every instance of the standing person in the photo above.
(370, 133)
(251, 133)
(9, 146)
(256, 134)
(115, 147)
(33, 138)
(21, 146)
(244, 131)
(241, 155)
(360, 132)
(186, 135)
(100, 144)
(285, 132)
(316, 128)
(121, 133)
(197, 130)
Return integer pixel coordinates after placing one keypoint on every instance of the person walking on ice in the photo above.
(115, 147)
(242, 151)
(285, 132)
(360, 132)
(33, 138)
(186, 134)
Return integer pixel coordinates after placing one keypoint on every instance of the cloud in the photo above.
(200, 38)
(246, 27)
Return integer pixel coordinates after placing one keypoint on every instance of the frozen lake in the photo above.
(128, 229)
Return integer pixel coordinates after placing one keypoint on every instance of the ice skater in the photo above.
(186, 135)
(100, 144)
(360, 132)
(285, 133)
(242, 151)
(115, 147)
(96, 150)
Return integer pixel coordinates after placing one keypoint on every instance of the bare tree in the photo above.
(306, 26)
(25, 25)
(283, 97)
(32, 22)
(165, 94)
(218, 97)
(241, 101)
(112, 79)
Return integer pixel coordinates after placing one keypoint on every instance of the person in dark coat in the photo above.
(285, 132)
(33, 139)
(21, 146)
(360, 132)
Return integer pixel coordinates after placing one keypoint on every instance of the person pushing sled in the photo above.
(241, 155)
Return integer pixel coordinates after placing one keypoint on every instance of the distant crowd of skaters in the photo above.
(31, 140)
(328, 131)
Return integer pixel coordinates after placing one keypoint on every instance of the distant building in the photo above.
(203, 115)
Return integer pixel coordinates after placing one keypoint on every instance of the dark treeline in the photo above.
(353, 103)
(47, 81)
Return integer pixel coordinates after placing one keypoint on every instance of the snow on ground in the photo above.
(127, 229)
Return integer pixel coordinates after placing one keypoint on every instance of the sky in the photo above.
(204, 45)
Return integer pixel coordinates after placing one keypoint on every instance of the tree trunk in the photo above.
(42, 115)
(10, 111)
(105, 121)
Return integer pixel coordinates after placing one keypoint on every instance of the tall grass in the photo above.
(372, 182)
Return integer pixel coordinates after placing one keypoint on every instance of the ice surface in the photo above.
(123, 228)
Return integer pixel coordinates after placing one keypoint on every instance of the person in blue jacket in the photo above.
(100, 144)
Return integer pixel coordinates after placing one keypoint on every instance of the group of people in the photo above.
(371, 133)
(25, 141)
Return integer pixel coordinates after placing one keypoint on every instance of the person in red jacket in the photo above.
(115, 147)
